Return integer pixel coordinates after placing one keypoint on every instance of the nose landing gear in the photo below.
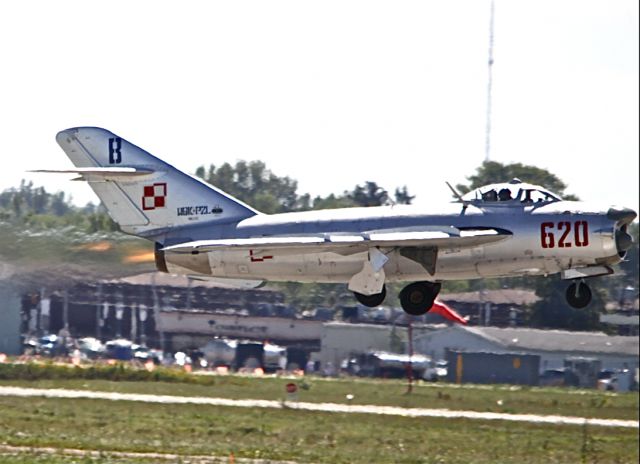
(578, 295)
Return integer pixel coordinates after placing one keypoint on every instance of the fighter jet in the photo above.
(501, 230)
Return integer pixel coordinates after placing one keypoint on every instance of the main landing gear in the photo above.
(371, 300)
(578, 295)
(416, 298)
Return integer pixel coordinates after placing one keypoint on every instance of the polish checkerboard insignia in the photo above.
(154, 196)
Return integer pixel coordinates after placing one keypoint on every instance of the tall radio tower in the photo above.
(487, 145)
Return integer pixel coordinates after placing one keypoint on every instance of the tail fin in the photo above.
(142, 193)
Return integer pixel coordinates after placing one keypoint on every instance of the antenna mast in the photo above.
(487, 146)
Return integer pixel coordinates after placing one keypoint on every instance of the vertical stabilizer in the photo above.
(142, 193)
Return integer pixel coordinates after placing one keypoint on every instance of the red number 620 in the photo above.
(580, 234)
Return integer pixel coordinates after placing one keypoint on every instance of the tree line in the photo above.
(34, 207)
(253, 183)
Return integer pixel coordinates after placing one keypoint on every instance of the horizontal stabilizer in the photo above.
(98, 172)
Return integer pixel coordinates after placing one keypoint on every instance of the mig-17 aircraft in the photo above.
(501, 230)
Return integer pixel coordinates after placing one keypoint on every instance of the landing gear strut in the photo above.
(578, 295)
(371, 300)
(417, 298)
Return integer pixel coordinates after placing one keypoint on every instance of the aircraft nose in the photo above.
(621, 215)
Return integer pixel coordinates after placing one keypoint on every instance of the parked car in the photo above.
(220, 352)
(392, 365)
(275, 357)
(90, 348)
(50, 345)
(436, 371)
(30, 345)
(615, 380)
(119, 349)
(144, 354)
(553, 378)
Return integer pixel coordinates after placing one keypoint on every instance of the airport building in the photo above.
(9, 320)
(136, 307)
(553, 346)
(342, 340)
(176, 313)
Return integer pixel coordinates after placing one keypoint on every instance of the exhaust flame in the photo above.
(98, 246)
(143, 257)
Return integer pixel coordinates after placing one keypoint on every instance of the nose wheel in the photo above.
(417, 298)
(578, 295)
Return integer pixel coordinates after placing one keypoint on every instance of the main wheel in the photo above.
(371, 300)
(417, 298)
(578, 295)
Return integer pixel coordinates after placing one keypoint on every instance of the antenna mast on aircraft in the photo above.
(487, 147)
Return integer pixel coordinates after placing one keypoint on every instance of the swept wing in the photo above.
(348, 244)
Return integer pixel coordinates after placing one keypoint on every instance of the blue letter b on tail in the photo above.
(115, 145)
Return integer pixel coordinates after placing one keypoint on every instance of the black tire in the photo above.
(372, 301)
(417, 298)
(578, 295)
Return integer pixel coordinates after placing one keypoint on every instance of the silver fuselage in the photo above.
(544, 240)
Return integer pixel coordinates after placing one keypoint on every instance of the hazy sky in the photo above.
(330, 93)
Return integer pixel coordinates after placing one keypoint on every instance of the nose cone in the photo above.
(621, 215)
(622, 218)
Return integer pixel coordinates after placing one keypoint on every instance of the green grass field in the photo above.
(301, 436)
(496, 398)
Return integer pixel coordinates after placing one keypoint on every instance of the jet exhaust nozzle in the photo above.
(161, 262)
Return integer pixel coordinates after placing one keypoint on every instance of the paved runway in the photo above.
(321, 407)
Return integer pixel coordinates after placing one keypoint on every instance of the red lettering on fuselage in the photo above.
(256, 259)
(580, 234)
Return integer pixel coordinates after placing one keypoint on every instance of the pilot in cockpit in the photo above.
(491, 195)
(505, 194)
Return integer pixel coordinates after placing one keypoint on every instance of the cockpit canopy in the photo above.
(512, 192)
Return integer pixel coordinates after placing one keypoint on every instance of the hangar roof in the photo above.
(509, 296)
(555, 340)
